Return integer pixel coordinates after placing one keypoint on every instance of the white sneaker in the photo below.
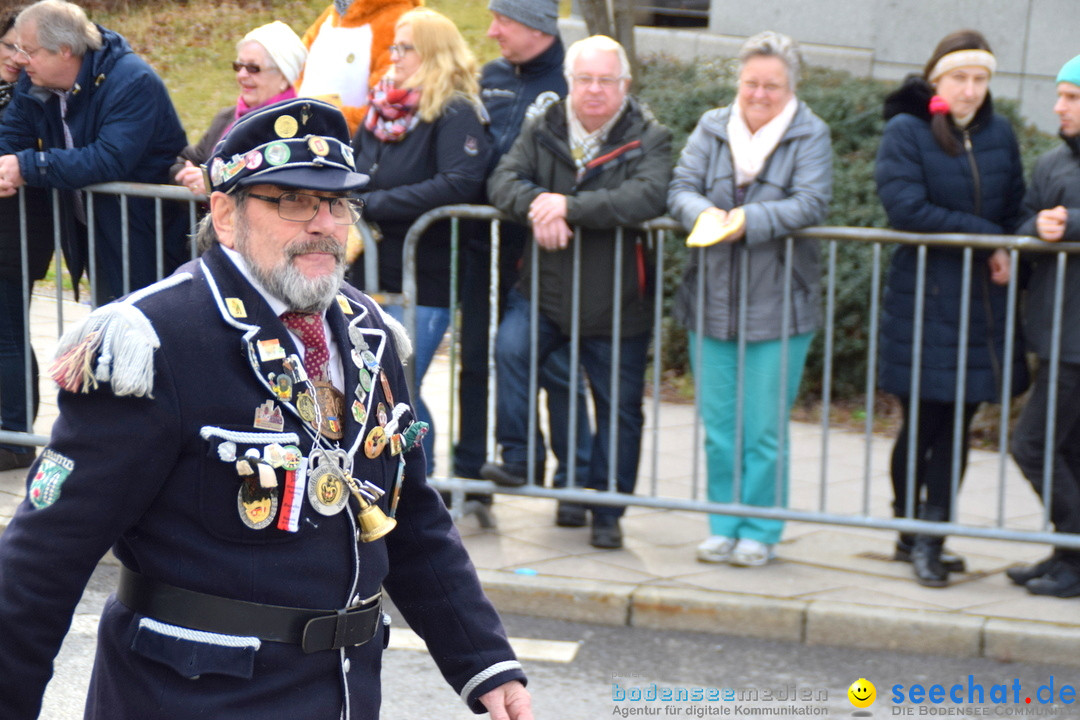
(715, 549)
(751, 553)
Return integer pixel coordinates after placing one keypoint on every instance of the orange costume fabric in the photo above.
(348, 54)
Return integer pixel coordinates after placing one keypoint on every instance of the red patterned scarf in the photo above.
(391, 111)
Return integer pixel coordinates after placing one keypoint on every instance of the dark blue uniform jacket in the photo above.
(148, 476)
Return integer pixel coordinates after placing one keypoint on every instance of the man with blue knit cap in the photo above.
(240, 435)
(1052, 207)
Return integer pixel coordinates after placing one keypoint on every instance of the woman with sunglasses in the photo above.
(14, 402)
(268, 61)
(424, 144)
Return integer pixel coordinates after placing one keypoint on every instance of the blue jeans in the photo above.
(761, 433)
(13, 401)
(470, 452)
(512, 364)
(431, 324)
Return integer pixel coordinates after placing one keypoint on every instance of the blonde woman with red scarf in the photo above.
(424, 143)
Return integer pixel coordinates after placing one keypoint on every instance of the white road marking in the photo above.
(557, 651)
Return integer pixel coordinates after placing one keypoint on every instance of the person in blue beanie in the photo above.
(1052, 213)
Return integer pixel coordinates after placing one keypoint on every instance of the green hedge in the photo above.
(678, 93)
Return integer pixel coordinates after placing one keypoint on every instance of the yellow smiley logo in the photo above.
(862, 693)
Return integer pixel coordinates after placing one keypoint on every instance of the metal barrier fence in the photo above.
(692, 497)
(649, 491)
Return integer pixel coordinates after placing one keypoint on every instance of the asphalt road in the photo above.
(599, 663)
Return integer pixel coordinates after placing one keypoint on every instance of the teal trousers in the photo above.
(762, 428)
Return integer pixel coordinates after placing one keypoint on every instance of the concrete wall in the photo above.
(889, 38)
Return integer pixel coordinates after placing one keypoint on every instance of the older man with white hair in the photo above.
(586, 166)
(89, 110)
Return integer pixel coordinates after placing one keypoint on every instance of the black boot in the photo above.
(953, 563)
(926, 561)
(926, 553)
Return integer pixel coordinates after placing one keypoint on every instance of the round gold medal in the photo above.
(286, 126)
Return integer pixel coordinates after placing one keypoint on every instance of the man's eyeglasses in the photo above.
(303, 207)
(401, 48)
(606, 82)
(28, 54)
(252, 68)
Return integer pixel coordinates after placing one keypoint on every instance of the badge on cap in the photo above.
(318, 145)
(286, 126)
(277, 153)
(253, 160)
(236, 307)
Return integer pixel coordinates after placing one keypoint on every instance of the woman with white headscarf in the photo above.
(268, 62)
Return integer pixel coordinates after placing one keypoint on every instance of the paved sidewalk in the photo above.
(830, 585)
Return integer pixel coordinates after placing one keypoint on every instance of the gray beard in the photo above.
(286, 283)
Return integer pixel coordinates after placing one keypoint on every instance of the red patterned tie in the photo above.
(309, 326)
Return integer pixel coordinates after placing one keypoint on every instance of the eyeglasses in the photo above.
(606, 81)
(401, 48)
(303, 207)
(770, 88)
(252, 68)
(29, 54)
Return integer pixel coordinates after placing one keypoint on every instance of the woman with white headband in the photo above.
(947, 164)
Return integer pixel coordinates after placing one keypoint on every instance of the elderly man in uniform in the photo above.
(240, 434)
(89, 110)
(593, 162)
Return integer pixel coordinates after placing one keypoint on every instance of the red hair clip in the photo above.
(939, 105)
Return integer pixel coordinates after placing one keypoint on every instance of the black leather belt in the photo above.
(313, 630)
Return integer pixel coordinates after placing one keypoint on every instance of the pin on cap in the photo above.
(301, 143)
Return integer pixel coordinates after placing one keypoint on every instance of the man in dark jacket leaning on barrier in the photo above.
(88, 110)
(1052, 212)
(595, 161)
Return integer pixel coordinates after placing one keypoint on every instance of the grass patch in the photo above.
(190, 43)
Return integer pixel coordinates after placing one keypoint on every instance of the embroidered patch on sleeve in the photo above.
(53, 469)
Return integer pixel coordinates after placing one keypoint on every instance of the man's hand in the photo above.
(999, 267)
(509, 701)
(1050, 224)
(546, 208)
(11, 178)
(554, 235)
(191, 177)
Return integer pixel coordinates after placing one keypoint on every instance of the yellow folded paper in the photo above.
(709, 229)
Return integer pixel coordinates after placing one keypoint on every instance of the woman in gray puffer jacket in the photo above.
(758, 169)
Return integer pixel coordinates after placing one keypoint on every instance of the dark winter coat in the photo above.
(124, 128)
(924, 189)
(39, 232)
(625, 185)
(153, 476)
(508, 92)
(791, 192)
(439, 163)
(1055, 181)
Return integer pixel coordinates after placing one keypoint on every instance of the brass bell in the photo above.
(371, 520)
